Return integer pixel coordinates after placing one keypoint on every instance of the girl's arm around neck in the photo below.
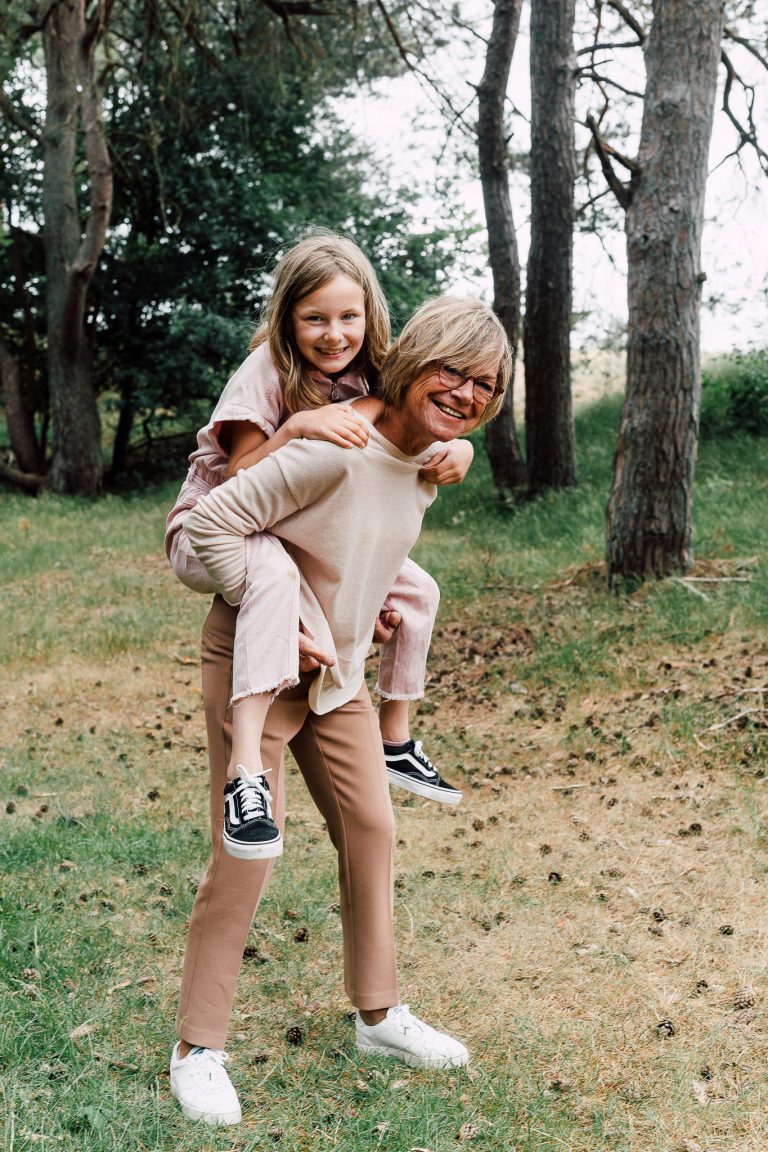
(250, 444)
(336, 423)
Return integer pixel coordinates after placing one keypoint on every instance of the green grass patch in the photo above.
(603, 876)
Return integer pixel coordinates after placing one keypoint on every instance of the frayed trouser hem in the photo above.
(272, 690)
(394, 696)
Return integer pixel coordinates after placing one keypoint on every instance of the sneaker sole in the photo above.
(427, 790)
(411, 1059)
(252, 851)
(213, 1119)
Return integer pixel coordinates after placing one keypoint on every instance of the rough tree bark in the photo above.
(71, 251)
(648, 518)
(21, 431)
(549, 434)
(501, 439)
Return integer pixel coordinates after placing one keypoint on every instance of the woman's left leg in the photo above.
(341, 758)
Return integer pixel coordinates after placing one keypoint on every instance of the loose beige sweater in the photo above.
(348, 516)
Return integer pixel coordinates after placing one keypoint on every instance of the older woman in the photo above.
(349, 519)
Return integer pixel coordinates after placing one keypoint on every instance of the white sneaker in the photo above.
(202, 1087)
(408, 1039)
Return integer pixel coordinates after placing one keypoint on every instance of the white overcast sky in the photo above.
(405, 128)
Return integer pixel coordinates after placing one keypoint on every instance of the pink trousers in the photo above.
(266, 641)
(341, 759)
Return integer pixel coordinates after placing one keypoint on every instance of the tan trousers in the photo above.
(341, 759)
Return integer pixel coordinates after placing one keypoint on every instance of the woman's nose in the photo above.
(461, 388)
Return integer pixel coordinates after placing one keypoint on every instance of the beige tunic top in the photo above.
(348, 516)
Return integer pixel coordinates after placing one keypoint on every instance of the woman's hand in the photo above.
(337, 423)
(450, 464)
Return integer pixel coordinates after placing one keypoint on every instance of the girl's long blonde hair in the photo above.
(318, 258)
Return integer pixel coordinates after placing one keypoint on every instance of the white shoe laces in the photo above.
(404, 1021)
(208, 1065)
(255, 796)
(425, 760)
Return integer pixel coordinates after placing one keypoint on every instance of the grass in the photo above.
(590, 919)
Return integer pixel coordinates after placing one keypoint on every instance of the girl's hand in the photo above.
(310, 656)
(385, 626)
(450, 464)
(336, 423)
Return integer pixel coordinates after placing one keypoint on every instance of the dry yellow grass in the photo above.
(591, 919)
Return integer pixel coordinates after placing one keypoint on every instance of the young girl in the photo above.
(324, 335)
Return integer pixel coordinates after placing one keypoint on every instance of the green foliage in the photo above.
(225, 147)
(734, 396)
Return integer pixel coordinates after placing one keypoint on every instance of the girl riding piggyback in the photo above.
(324, 333)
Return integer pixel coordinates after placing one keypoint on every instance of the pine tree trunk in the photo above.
(649, 514)
(549, 434)
(501, 439)
(71, 252)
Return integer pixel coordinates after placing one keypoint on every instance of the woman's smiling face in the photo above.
(433, 410)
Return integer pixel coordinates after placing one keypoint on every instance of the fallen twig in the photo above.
(718, 579)
(120, 1065)
(681, 580)
(731, 720)
(130, 984)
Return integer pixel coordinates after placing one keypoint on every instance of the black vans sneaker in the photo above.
(250, 833)
(408, 767)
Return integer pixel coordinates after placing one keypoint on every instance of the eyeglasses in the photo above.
(483, 391)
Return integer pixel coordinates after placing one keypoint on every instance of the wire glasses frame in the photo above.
(483, 391)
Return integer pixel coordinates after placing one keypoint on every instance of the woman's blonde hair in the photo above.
(462, 332)
(318, 258)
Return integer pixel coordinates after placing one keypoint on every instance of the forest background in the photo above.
(608, 865)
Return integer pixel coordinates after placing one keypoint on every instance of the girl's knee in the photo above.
(266, 557)
(430, 595)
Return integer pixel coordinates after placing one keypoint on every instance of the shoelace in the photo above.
(423, 757)
(404, 1022)
(255, 796)
(209, 1065)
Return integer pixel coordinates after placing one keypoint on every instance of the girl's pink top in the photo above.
(255, 394)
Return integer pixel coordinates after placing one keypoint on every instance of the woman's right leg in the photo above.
(230, 890)
(226, 900)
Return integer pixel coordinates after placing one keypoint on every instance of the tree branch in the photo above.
(27, 480)
(428, 82)
(628, 19)
(591, 74)
(18, 119)
(747, 134)
(750, 47)
(607, 47)
(622, 192)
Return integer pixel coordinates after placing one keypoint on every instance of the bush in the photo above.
(734, 396)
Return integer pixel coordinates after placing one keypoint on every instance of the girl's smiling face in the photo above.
(329, 325)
